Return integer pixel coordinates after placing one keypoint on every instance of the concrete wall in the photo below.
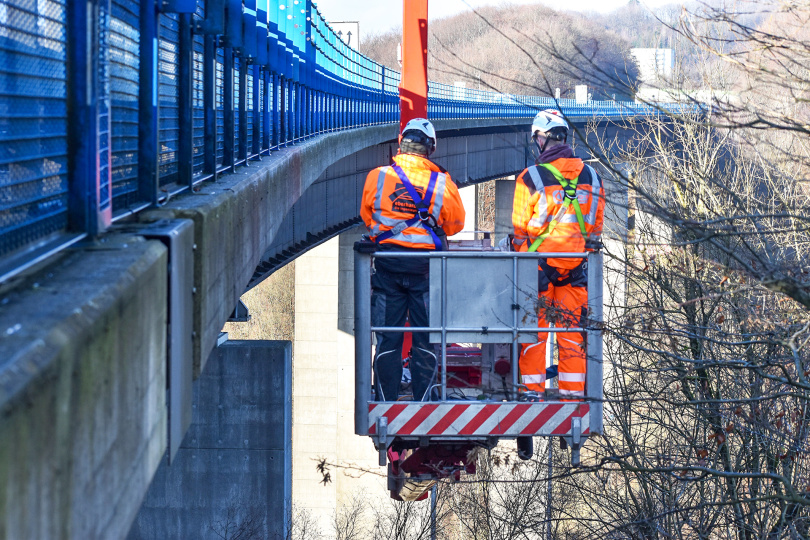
(233, 470)
(504, 200)
(323, 383)
(82, 391)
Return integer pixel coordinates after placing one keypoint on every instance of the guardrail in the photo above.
(105, 119)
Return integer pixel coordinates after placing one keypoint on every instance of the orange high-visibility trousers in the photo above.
(564, 306)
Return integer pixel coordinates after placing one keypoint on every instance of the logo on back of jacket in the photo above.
(401, 201)
(583, 196)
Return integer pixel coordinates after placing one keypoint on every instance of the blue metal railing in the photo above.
(156, 97)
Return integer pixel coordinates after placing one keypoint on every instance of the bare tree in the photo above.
(349, 520)
(707, 391)
(238, 524)
(302, 525)
(408, 520)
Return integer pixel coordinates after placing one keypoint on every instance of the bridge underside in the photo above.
(330, 205)
(472, 155)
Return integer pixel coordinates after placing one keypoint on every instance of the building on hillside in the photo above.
(654, 65)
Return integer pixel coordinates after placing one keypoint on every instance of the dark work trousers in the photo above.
(393, 297)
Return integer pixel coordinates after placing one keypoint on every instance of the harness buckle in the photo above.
(426, 217)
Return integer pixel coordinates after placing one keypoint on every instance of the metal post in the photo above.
(549, 486)
(228, 156)
(210, 106)
(88, 104)
(444, 329)
(258, 87)
(148, 183)
(276, 117)
(550, 344)
(515, 345)
(594, 375)
(433, 512)
(266, 114)
(185, 122)
(282, 87)
(362, 341)
(295, 106)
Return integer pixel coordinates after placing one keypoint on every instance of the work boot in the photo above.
(531, 396)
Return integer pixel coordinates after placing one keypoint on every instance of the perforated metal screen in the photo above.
(220, 104)
(237, 68)
(168, 88)
(249, 107)
(33, 122)
(198, 113)
(124, 65)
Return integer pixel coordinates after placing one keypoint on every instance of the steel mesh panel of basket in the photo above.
(33, 122)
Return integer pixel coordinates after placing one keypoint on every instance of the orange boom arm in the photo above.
(413, 85)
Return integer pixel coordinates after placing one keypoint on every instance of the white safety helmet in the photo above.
(551, 125)
(423, 126)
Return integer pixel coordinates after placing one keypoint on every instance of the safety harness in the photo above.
(422, 215)
(570, 189)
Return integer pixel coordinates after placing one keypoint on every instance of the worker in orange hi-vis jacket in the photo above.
(558, 207)
(410, 205)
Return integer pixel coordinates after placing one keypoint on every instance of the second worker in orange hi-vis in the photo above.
(558, 207)
(410, 205)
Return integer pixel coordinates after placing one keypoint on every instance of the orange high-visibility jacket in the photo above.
(538, 199)
(386, 202)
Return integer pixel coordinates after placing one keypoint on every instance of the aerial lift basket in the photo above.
(489, 299)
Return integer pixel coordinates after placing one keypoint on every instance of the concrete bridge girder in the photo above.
(331, 203)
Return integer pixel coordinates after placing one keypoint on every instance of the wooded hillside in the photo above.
(515, 49)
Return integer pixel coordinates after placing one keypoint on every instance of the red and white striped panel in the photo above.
(478, 418)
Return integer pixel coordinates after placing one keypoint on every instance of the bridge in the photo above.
(158, 159)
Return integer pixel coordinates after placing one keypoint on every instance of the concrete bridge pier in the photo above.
(232, 474)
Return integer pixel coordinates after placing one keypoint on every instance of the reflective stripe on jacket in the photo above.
(386, 202)
(538, 198)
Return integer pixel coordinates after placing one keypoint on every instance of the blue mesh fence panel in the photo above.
(249, 107)
(168, 86)
(258, 102)
(220, 100)
(33, 126)
(198, 114)
(237, 66)
(124, 64)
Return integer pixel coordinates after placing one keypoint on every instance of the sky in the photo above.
(377, 16)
